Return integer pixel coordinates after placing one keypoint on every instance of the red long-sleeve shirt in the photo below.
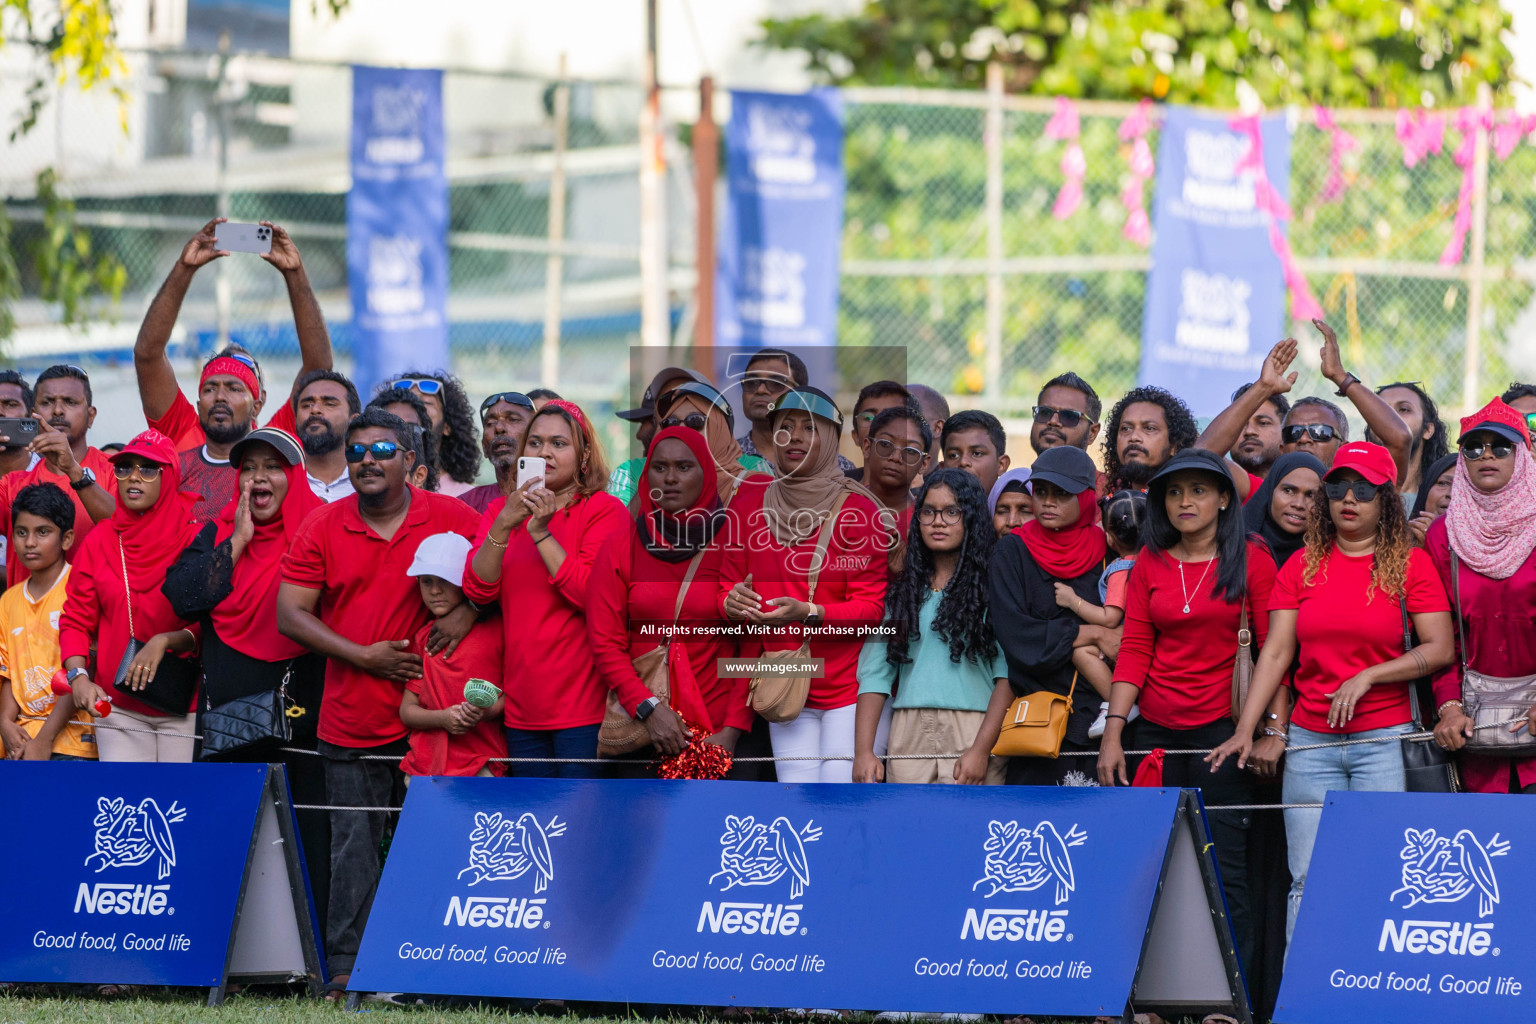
(1183, 663)
(96, 608)
(850, 587)
(551, 680)
(631, 589)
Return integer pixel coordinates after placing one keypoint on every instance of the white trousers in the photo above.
(129, 736)
(825, 733)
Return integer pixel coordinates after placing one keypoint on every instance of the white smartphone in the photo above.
(235, 237)
(529, 469)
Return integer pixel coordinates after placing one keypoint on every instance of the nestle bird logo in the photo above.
(758, 854)
(1020, 859)
(128, 835)
(1437, 869)
(501, 849)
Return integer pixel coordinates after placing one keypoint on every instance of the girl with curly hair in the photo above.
(453, 423)
(940, 667)
(1340, 611)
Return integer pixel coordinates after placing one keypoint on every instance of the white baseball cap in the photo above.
(442, 555)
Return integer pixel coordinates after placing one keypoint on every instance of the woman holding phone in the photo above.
(534, 554)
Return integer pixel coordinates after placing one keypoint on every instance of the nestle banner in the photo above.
(397, 224)
(915, 898)
(781, 232)
(1418, 907)
(1215, 300)
(130, 874)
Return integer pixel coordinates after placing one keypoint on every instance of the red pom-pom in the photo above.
(700, 759)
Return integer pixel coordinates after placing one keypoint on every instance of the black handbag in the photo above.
(175, 680)
(1427, 768)
(245, 723)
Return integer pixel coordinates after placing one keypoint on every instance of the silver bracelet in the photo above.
(1277, 732)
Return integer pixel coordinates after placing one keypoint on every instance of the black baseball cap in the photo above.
(1069, 468)
(647, 407)
(1193, 458)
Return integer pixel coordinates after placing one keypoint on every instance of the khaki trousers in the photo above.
(935, 731)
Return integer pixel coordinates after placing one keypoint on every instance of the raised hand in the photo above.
(1279, 360)
(1333, 366)
(203, 247)
(284, 255)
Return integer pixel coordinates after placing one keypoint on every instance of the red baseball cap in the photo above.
(151, 445)
(1501, 419)
(1371, 461)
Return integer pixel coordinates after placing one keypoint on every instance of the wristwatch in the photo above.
(86, 479)
(75, 673)
(644, 708)
(815, 616)
(1350, 380)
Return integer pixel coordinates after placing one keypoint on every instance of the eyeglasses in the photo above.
(1317, 431)
(1069, 417)
(771, 385)
(909, 455)
(510, 397)
(146, 470)
(950, 514)
(1364, 490)
(382, 451)
(426, 385)
(1474, 450)
(693, 421)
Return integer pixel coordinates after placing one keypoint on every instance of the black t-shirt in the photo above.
(215, 481)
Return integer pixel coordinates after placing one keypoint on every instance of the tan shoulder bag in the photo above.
(781, 698)
(621, 734)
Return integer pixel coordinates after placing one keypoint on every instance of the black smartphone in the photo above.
(18, 431)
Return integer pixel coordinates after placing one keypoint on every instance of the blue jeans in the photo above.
(1310, 774)
(580, 741)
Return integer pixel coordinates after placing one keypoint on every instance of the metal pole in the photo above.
(655, 313)
(706, 149)
(1472, 357)
(993, 142)
(223, 286)
(554, 263)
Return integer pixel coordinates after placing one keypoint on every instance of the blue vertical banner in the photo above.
(397, 224)
(782, 230)
(1215, 300)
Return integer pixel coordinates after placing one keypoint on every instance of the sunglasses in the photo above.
(772, 385)
(1364, 491)
(382, 451)
(426, 385)
(909, 455)
(1316, 431)
(1474, 450)
(242, 358)
(693, 421)
(1069, 418)
(950, 514)
(510, 397)
(1530, 424)
(146, 470)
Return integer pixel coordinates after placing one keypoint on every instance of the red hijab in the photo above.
(151, 540)
(677, 537)
(247, 619)
(1067, 553)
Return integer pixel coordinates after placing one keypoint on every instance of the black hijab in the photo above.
(1437, 469)
(1256, 517)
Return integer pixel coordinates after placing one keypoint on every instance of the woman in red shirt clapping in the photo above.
(534, 554)
(765, 579)
(1338, 608)
(1185, 599)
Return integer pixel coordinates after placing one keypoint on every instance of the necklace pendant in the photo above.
(1186, 609)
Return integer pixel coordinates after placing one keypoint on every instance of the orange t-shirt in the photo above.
(29, 656)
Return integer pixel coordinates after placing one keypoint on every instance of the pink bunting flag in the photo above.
(1510, 132)
(1420, 133)
(1065, 126)
(1134, 129)
(1276, 211)
(1468, 121)
(1339, 143)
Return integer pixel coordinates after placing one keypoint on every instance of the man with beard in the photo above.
(345, 594)
(15, 402)
(229, 394)
(504, 419)
(324, 402)
(1066, 412)
(1147, 427)
(62, 405)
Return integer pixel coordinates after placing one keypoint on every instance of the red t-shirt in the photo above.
(365, 596)
(12, 483)
(436, 751)
(1254, 483)
(1183, 663)
(631, 590)
(850, 587)
(181, 425)
(1340, 634)
(551, 680)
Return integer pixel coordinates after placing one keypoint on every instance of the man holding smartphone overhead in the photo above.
(230, 394)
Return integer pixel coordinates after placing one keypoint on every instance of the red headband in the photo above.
(224, 366)
(569, 408)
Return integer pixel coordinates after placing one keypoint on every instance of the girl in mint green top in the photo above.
(936, 659)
